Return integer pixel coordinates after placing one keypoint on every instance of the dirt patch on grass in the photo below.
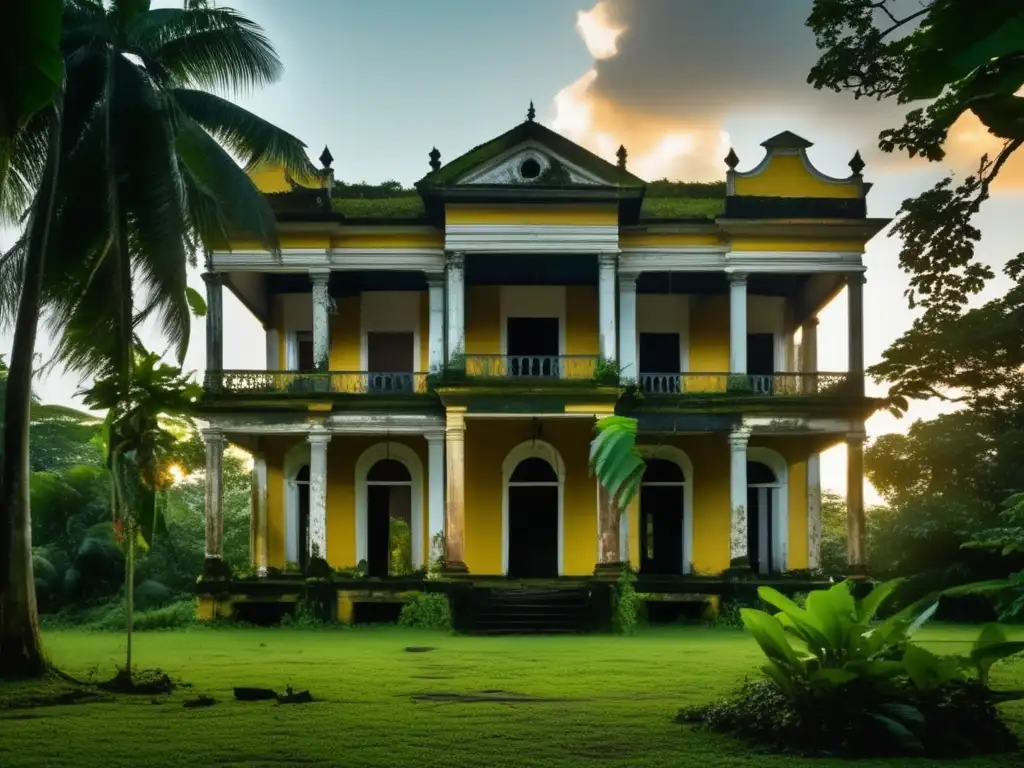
(50, 697)
(493, 696)
(148, 682)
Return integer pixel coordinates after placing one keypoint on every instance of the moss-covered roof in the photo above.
(389, 200)
(666, 199)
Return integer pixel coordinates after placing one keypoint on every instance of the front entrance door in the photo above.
(533, 521)
(388, 519)
(531, 344)
(661, 519)
(762, 486)
(302, 485)
(659, 362)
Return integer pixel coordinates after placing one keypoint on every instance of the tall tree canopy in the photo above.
(951, 57)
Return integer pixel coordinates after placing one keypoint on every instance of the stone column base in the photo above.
(216, 569)
(610, 571)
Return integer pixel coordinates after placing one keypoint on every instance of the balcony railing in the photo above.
(543, 367)
(788, 384)
(317, 383)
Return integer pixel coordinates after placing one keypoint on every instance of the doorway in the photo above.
(533, 520)
(390, 361)
(761, 362)
(659, 362)
(304, 351)
(532, 346)
(302, 486)
(389, 519)
(662, 515)
(762, 504)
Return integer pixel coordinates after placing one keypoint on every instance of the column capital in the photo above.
(455, 259)
(856, 278)
(211, 436)
(627, 281)
(856, 437)
(434, 437)
(810, 322)
(738, 438)
(737, 278)
(213, 278)
(435, 279)
(318, 438)
(608, 259)
(319, 275)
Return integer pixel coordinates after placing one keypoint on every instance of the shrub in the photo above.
(626, 602)
(426, 610)
(113, 617)
(840, 683)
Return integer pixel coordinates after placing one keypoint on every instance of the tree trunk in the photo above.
(21, 650)
(129, 593)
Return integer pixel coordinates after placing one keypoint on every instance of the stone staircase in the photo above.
(531, 611)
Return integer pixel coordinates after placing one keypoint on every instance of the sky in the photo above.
(677, 82)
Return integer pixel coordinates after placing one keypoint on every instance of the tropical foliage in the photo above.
(615, 460)
(840, 682)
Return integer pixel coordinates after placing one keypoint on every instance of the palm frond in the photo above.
(25, 163)
(246, 135)
(215, 183)
(615, 460)
(210, 48)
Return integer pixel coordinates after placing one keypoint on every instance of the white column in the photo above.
(855, 297)
(738, 324)
(259, 513)
(318, 494)
(606, 304)
(456, 296)
(435, 295)
(321, 320)
(738, 555)
(213, 507)
(814, 511)
(809, 354)
(435, 497)
(273, 351)
(628, 357)
(214, 329)
(856, 556)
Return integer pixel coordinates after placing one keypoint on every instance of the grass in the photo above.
(681, 208)
(612, 700)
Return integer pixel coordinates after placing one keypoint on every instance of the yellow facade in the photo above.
(489, 442)
(789, 176)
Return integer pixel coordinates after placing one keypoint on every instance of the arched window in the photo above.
(531, 471)
(388, 471)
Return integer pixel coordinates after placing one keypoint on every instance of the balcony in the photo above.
(535, 368)
(775, 384)
(315, 383)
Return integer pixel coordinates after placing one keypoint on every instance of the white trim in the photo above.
(678, 457)
(295, 458)
(532, 301)
(291, 350)
(273, 351)
(683, 258)
(407, 456)
(349, 423)
(799, 262)
(780, 509)
(531, 238)
(533, 449)
(430, 260)
(800, 152)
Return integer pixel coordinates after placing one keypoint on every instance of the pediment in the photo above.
(530, 163)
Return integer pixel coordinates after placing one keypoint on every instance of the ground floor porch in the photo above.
(384, 496)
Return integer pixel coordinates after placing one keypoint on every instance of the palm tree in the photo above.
(138, 445)
(144, 176)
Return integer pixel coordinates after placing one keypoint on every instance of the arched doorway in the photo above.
(410, 486)
(662, 517)
(389, 519)
(302, 512)
(533, 511)
(763, 515)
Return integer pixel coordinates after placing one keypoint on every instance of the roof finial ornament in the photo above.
(435, 159)
(732, 159)
(531, 112)
(326, 158)
(622, 155)
(857, 163)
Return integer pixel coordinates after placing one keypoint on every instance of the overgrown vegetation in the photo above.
(838, 682)
(627, 604)
(426, 610)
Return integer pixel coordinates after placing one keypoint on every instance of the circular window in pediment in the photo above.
(529, 168)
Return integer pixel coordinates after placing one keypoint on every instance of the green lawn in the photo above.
(605, 701)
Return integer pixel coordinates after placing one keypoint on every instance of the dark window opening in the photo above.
(532, 346)
(529, 169)
(304, 345)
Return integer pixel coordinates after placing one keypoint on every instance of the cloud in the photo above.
(677, 82)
